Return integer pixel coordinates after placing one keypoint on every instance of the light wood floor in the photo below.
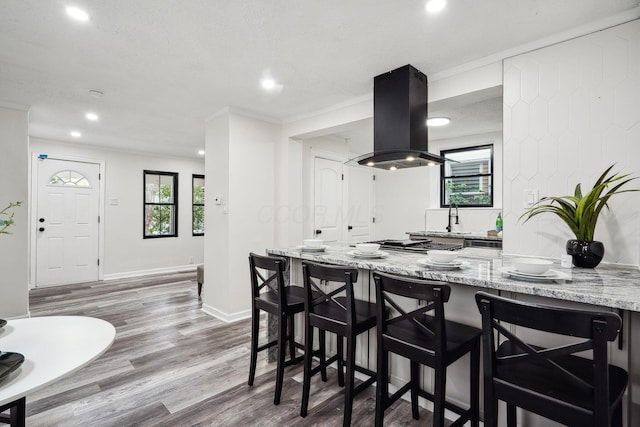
(173, 365)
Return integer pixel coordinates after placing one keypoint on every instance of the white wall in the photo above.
(401, 198)
(125, 251)
(14, 178)
(570, 111)
(240, 158)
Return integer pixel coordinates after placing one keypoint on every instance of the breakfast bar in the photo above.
(606, 288)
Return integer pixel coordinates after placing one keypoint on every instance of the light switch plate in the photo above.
(530, 197)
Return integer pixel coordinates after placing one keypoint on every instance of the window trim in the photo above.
(193, 204)
(443, 178)
(145, 203)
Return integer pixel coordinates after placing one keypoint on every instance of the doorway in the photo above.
(66, 218)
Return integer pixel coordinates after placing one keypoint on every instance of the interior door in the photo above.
(360, 213)
(327, 199)
(67, 246)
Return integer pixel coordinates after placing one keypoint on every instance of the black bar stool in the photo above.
(551, 382)
(425, 339)
(345, 316)
(269, 293)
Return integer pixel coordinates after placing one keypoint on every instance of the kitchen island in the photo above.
(607, 287)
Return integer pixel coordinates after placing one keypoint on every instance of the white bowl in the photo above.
(367, 248)
(313, 243)
(532, 265)
(441, 255)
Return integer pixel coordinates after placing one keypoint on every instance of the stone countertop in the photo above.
(606, 285)
(455, 234)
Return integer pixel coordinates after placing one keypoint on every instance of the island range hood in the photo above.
(399, 122)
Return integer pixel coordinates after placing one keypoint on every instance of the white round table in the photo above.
(53, 347)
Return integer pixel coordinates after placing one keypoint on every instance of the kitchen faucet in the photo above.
(449, 216)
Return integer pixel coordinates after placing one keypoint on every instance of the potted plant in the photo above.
(6, 217)
(580, 212)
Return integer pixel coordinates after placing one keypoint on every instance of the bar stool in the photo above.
(551, 382)
(425, 339)
(269, 293)
(345, 316)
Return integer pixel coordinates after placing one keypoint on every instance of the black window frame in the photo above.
(443, 177)
(194, 204)
(145, 204)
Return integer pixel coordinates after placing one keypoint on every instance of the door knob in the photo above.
(41, 229)
(318, 232)
(41, 220)
(349, 227)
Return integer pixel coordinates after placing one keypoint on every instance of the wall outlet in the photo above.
(530, 198)
(190, 260)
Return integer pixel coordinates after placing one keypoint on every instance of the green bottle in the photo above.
(499, 222)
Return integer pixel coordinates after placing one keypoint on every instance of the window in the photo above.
(466, 178)
(160, 204)
(197, 201)
(69, 178)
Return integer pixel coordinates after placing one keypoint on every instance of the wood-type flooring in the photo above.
(173, 365)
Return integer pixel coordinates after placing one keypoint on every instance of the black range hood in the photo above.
(399, 121)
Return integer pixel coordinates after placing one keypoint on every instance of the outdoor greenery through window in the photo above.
(160, 204)
(197, 197)
(467, 177)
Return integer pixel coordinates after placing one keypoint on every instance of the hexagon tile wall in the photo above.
(571, 110)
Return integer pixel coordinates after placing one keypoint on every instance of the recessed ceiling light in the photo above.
(77, 14)
(435, 6)
(392, 168)
(268, 83)
(75, 134)
(438, 121)
(410, 158)
(201, 152)
(371, 164)
(91, 116)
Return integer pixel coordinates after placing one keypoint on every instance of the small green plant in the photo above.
(6, 217)
(580, 212)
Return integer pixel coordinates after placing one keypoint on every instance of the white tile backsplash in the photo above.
(476, 220)
(570, 111)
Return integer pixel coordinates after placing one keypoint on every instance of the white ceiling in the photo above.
(166, 65)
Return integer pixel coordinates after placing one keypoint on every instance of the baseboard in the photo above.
(226, 317)
(174, 269)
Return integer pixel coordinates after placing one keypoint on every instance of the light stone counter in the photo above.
(608, 286)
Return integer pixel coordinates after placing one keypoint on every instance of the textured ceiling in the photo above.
(166, 65)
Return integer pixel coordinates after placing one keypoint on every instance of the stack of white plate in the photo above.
(451, 265)
(305, 248)
(367, 251)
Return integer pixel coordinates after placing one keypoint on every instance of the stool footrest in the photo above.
(465, 414)
(266, 346)
(397, 395)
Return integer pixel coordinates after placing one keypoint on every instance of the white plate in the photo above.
(426, 262)
(304, 248)
(550, 275)
(377, 254)
(454, 263)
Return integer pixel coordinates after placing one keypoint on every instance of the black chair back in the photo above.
(268, 271)
(592, 329)
(432, 294)
(314, 275)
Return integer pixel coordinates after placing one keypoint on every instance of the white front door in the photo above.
(327, 199)
(67, 230)
(360, 213)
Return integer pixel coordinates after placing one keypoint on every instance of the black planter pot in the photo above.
(585, 254)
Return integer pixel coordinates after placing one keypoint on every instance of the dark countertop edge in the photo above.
(454, 235)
